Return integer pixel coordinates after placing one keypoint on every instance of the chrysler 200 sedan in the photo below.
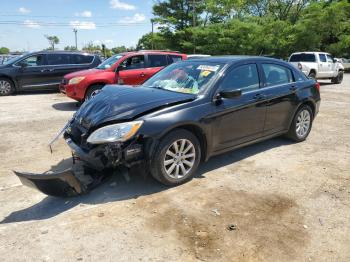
(183, 115)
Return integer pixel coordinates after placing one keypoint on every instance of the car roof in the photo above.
(309, 52)
(233, 59)
(151, 52)
(60, 52)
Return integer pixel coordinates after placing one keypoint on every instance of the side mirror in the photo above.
(23, 64)
(231, 93)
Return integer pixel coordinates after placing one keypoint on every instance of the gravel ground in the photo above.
(283, 201)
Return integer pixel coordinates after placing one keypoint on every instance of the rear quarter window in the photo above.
(174, 58)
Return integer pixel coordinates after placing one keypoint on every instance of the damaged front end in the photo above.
(91, 163)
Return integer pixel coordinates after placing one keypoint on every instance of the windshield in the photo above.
(185, 77)
(302, 58)
(12, 60)
(109, 62)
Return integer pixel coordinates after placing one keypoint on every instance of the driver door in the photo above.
(33, 72)
(132, 71)
(240, 119)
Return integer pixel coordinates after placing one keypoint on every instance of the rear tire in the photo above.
(339, 78)
(301, 125)
(92, 91)
(6, 87)
(176, 158)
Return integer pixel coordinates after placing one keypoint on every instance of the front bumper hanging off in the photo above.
(70, 182)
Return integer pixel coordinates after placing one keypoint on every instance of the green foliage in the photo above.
(252, 27)
(4, 51)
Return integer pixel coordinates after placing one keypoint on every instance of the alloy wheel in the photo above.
(179, 158)
(303, 123)
(5, 87)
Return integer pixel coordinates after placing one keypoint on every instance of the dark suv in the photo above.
(42, 70)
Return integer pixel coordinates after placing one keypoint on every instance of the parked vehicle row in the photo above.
(184, 114)
(318, 65)
(42, 70)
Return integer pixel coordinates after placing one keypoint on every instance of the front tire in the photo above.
(312, 75)
(301, 124)
(177, 158)
(6, 87)
(339, 78)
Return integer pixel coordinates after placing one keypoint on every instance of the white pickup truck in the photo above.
(318, 65)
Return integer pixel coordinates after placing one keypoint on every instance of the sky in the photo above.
(24, 23)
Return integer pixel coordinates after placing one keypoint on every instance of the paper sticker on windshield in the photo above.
(208, 68)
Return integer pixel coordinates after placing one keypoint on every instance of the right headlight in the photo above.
(113, 133)
(76, 80)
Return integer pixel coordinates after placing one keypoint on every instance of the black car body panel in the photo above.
(48, 74)
(220, 124)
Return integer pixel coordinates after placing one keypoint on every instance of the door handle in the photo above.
(259, 96)
(293, 88)
(51, 70)
(43, 70)
(142, 74)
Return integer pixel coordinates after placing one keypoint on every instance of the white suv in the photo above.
(318, 65)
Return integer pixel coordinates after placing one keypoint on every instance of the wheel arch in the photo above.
(11, 79)
(194, 129)
(94, 84)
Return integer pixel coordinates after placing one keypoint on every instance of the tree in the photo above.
(178, 14)
(53, 40)
(4, 50)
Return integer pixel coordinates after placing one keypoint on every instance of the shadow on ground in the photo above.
(66, 106)
(136, 183)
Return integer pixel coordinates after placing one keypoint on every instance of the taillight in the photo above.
(300, 66)
(318, 86)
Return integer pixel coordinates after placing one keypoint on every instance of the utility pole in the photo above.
(152, 22)
(194, 25)
(76, 38)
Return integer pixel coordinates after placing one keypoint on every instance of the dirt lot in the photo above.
(289, 202)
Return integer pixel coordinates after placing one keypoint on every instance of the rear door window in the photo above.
(81, 59)
(276, 74)
(243, 77)
(134, 62)
(302, 58)
(157, 60)
(174, 58)
(59, 59)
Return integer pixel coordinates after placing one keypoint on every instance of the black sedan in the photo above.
(188, 112)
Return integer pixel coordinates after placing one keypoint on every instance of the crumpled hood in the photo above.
(83, 73)
(115, 103)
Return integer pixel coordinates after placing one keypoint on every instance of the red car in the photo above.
(131, 68)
